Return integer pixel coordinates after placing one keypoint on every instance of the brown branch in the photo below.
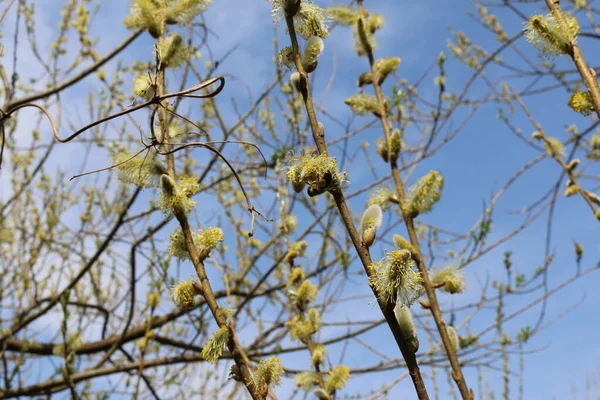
(386, 308)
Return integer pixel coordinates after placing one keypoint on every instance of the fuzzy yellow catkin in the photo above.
(382, 149)
(213, 350)
(302, 326)
(306, 380)
(424, 194)
(394, 277)
(305, 294)
(295, 277)
(451, 279)
(172, 198)
(311, 20)
(337, 378)
(183, 294)
(571, 190)
(395, 145)
(552, 35)
(172, 50)
(139, 170)
(318, 355)
(153, 299)
(289, 223)
(582, 103)
(143, 86)
(318, 171)
(401, 243)
(365, 78)
(269, 372)
(342, 14)
(386, 66)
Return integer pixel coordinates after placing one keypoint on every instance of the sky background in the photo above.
(475, 164)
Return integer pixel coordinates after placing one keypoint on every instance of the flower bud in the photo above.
(407, 326)
(167, 185)
(573, 164)
(295, 80)
(453, 337)
(321, 394)
(370, 222)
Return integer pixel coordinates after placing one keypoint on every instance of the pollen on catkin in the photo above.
(268, 372)
(386, 66)
(401, 243)
(375, 22)
(363, 103)
(301, 327)
(550, 36)
(582, 103)
(394, 277)
(318, 355)
(305, 294)
(152, 16)
(172, 198)
(306, 380)
(289, 224)
(144, 87)
(311, 20)
(172, 50)
(571, 190)
(140, 171)
(296, 277)
(365, 78)
(183, 294)
(342, 15)
(383, 196)
(452, 279)
(297, 249)
(553, 146)
(423, 195)
(189, 184)
(216, 344)
(177, 247)
(285, 57)
(153, 299)
(337, 378)
(320, 173)
(182, 12)
(143, 15)
(382, 149)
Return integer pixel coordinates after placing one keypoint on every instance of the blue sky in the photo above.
(475, 164)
